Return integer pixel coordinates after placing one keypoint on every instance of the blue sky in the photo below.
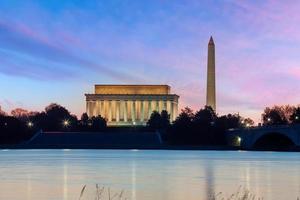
(55, 51)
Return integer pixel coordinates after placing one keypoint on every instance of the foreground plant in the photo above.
(240, 194)
(104, 194)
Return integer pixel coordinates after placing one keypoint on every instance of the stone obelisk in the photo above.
(211, 76)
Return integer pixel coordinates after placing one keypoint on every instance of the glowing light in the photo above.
(66, 123)
(247, 125)
(269, 119)
(30, 124)
(296, 117)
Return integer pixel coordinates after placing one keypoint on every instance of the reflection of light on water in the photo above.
(29, 188)
(66, 149)
(248, 177)
(65, 182)
(134, 150)
(209, 171)
(133, 180)
(5, 150)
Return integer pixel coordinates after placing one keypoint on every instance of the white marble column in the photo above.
(160, 105)
(105, 109)
(117, 111)
(125, 110)
(109, 111)
(149, 109)
(88, 111)
(113, 110)
(133, 109)
(165, 105)
(146, 110)
(175, 110)
(142, 111)
(129, 110)
(169, 107)
(172, 111)
(102, 113)
(94, 108)
(98, 108)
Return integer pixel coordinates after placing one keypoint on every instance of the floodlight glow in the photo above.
(29, 124)
(66, 123)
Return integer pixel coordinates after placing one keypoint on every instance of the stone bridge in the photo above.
(277, 136)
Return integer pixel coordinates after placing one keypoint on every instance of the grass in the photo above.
(103, 193)
(240, 194)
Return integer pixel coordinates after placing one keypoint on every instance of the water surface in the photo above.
(147, 175)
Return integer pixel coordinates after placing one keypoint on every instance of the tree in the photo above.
(154, 121)
(188, 112)
(223, 123)
(206, 116)
(2, 113)
(295, 117)
(203, 125)
(159, 121)
(84, 118)
(181, 127)
(247, 122)
(58, 118)
(98, 123)
(277, 115)
(165, 119)
(12, 130)
(21, 114)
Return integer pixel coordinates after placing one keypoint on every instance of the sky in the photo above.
(55, 51)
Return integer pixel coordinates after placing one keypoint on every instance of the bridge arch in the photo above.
(274, 141)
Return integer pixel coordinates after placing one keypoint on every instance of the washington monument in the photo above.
(211, 76)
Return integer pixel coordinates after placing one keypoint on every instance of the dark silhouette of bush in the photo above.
(278, 115)
(12, 130)
(202, 128)
(159, 121)
(97, 124)
(180, 131)
(58, 118)
(295, 117)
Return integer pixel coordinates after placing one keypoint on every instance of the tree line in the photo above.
(22, 124)
(190, 128)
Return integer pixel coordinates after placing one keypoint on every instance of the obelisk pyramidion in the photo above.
(211, 81)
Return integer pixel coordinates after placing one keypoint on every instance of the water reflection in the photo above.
(29, 188)
(65, 186)
(133, 179)
(147, 175)
(210, 179)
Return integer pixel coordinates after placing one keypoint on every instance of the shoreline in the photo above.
(161, 147)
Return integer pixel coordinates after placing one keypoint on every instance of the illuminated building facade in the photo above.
(127, 105)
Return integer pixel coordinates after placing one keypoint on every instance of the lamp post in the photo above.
(29, 124)
(66, 123)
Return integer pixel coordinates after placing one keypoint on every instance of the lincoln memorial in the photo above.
(127, 105)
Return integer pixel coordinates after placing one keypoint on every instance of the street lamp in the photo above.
(296, 117)
(238, 141)
(66, 123)
(269, 119)
(29, 124)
